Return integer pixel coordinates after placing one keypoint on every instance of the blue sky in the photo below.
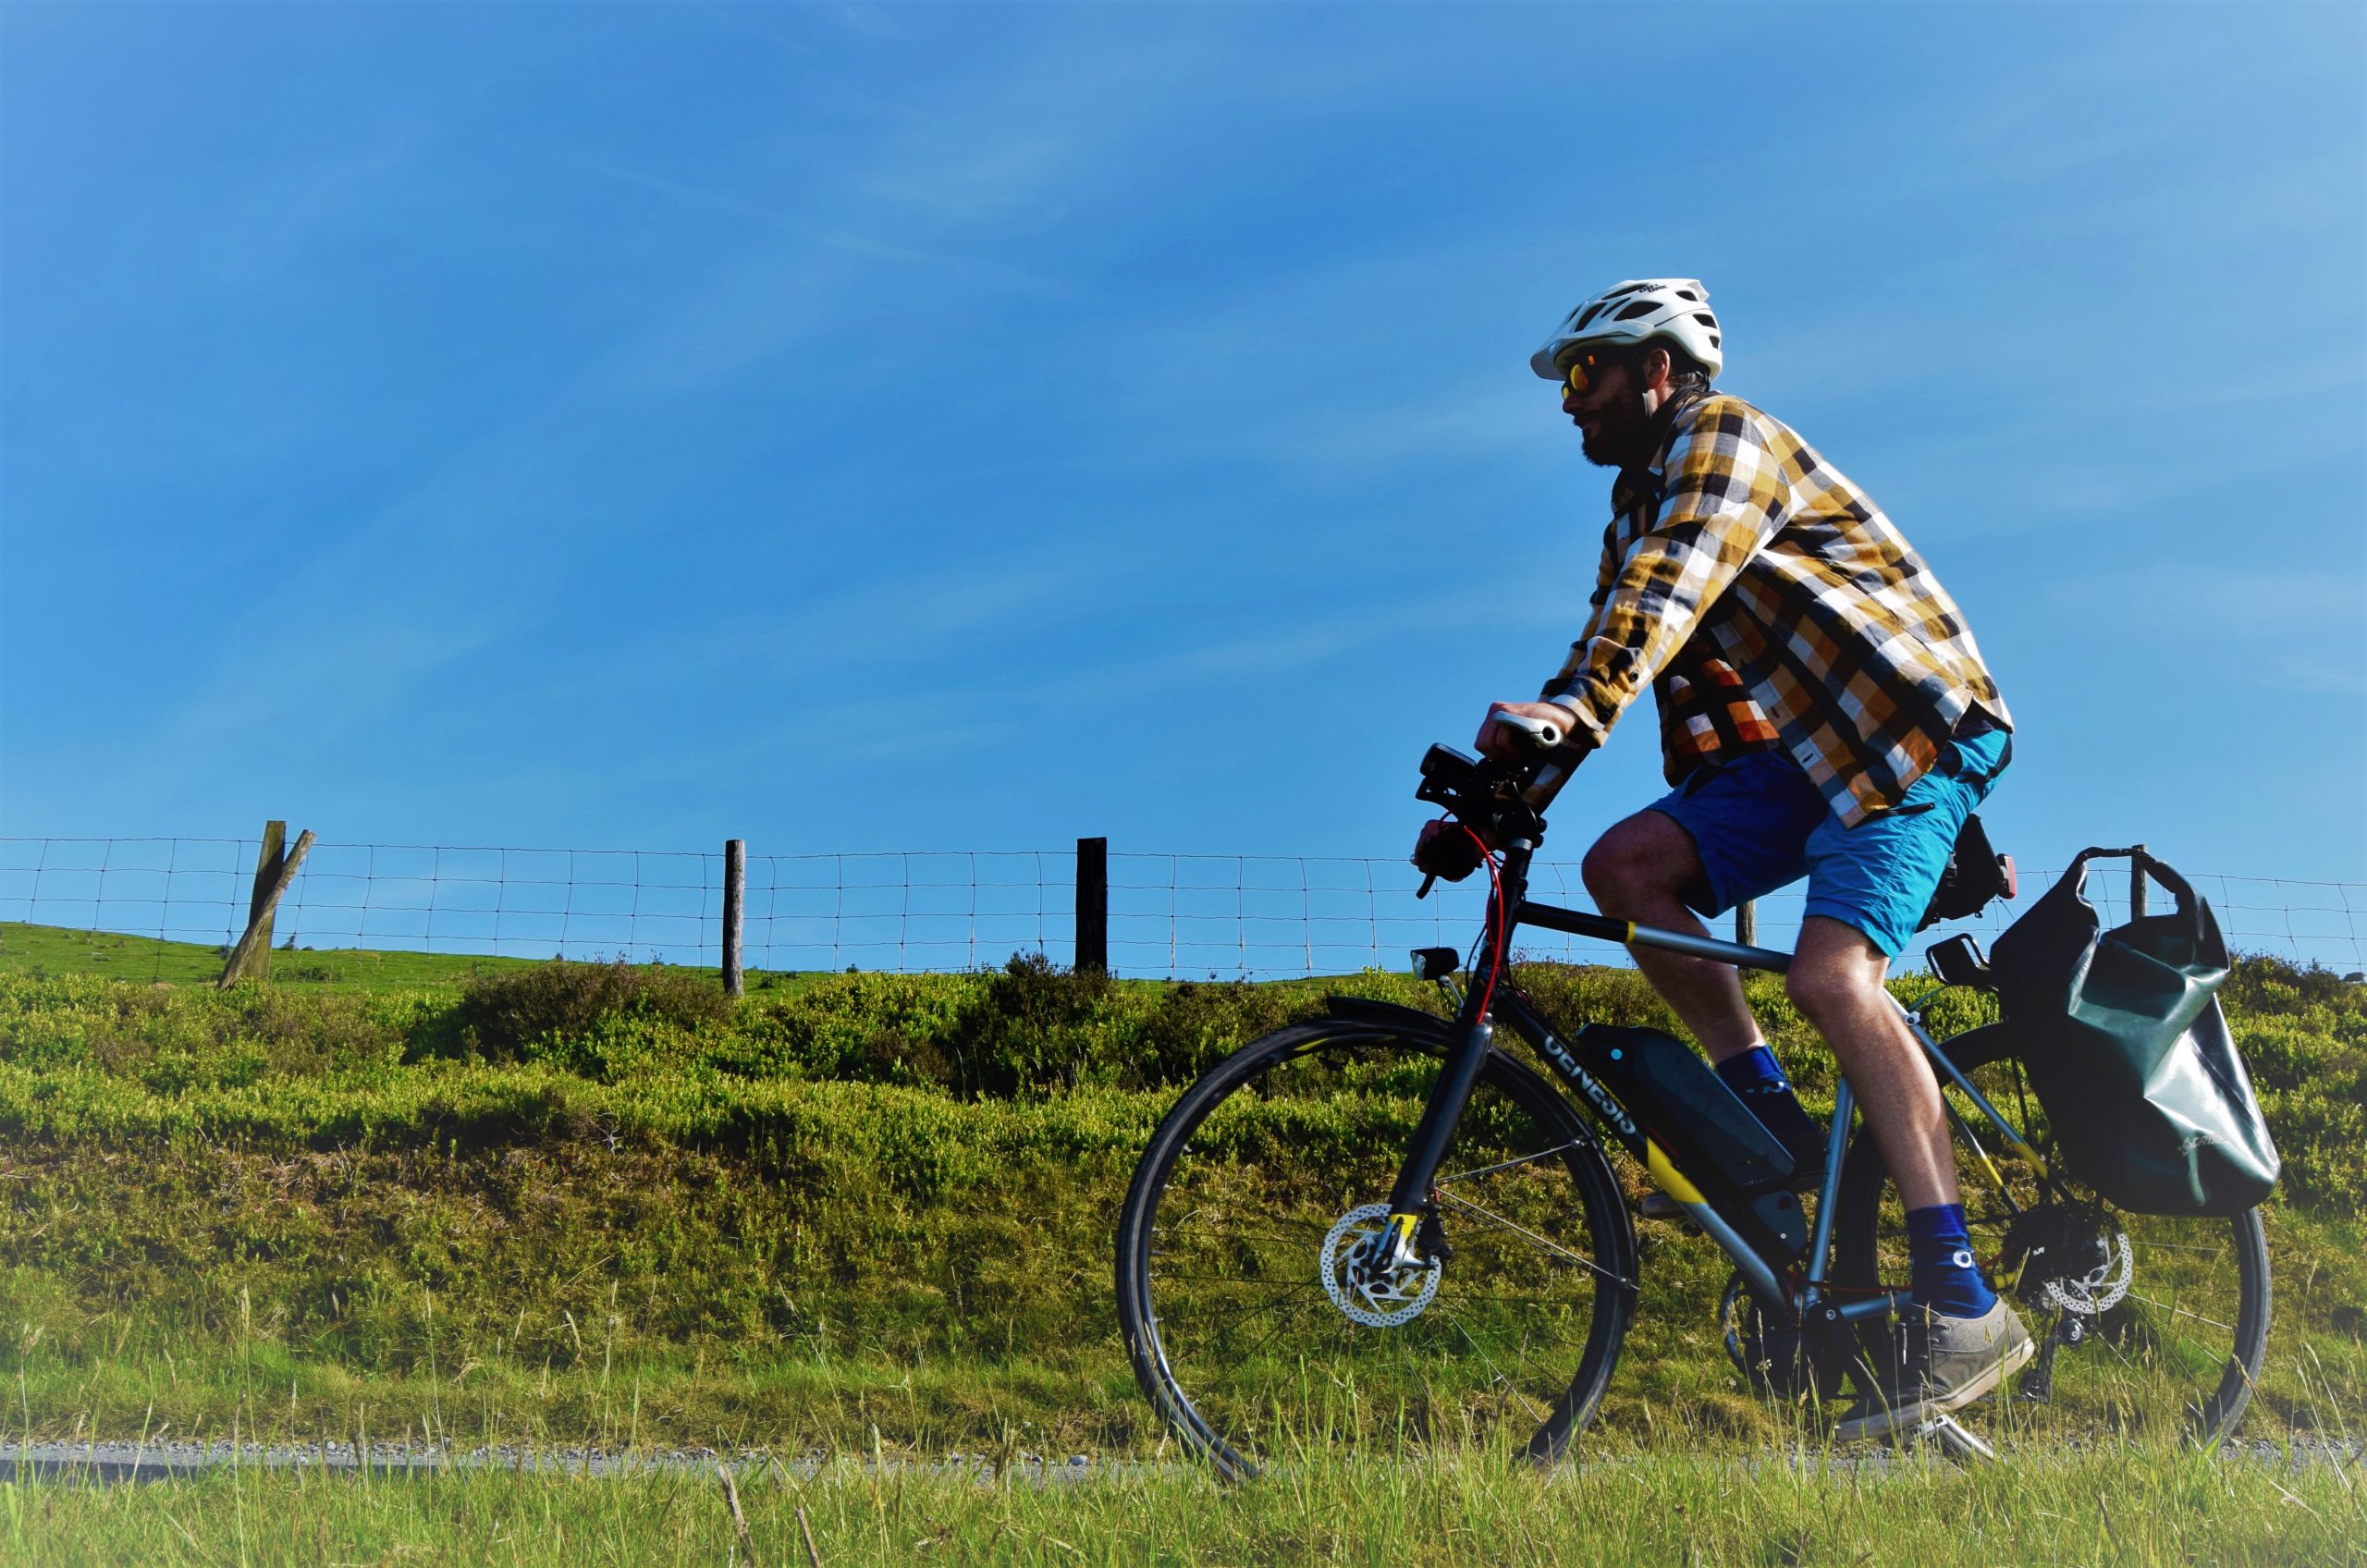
(859, 428)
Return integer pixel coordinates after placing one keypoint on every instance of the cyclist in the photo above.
(1824, 713)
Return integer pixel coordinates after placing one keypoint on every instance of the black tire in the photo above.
(2182, 1345)
(1232, 1332)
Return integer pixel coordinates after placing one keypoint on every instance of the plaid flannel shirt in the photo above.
(1770, 603)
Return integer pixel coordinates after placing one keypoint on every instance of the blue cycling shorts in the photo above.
(1759, 824)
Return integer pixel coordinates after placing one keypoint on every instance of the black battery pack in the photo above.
(1684, 1106)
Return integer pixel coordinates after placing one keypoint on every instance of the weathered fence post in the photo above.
(269, 854)
(735, 880)
(2137, 883)
(1747, 923)
(1093, 905)
(274, 872)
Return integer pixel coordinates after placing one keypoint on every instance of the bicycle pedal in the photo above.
(1658, 1205)
(1951, 1438)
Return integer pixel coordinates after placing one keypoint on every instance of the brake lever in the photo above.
(1427, 882)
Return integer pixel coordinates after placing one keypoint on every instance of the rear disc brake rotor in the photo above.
(2075, 1260)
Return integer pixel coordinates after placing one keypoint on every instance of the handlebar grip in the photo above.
(1542, 733)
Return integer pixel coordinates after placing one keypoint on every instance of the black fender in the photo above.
(1395, 1016)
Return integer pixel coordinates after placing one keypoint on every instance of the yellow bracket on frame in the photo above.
(1672, 1180)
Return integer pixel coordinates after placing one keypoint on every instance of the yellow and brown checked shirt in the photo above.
(1771, 603)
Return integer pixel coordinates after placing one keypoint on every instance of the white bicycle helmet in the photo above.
(1636, 312)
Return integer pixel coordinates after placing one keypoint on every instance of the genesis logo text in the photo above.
(1595, 1092)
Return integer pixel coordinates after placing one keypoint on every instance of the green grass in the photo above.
(45, 950)
(552, 1203)
(41, 951)
(1657, 1505)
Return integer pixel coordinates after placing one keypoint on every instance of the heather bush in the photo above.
(505, 1017)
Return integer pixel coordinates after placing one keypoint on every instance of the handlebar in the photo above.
(1503, 802)
(1490, 797)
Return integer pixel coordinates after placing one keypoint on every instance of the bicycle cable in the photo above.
(1496, 885)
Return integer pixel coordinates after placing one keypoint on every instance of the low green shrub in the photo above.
(505, 1016)
(305, 1065)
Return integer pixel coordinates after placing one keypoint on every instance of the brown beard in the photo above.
(1620, 434)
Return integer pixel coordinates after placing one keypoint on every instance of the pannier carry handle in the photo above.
(2180, 888)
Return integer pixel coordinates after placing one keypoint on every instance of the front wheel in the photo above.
(2142, 1321)
(1253, 1321)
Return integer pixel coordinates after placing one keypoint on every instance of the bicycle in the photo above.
(1382, 1221)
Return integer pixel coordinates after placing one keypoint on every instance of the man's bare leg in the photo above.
(1637, 871)
(1837, 981)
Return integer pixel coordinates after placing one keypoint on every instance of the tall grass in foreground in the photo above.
(1653, 1505)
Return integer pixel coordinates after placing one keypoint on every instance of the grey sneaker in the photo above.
(1950, 1361)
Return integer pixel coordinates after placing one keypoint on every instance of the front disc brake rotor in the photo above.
(1374, 1299)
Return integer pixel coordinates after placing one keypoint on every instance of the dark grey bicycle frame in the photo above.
(1762, 1274)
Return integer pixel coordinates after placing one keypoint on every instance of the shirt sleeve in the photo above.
(1724, 500)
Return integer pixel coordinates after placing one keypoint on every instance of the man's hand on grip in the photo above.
(1446, 850)
(1544, 728)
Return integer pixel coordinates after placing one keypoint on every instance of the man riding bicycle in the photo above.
(1824, 713)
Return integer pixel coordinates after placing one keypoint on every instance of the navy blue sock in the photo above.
(1755, 1069)
(1758, 1079)
(1939, 1249)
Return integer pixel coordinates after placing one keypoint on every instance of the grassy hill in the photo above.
(571, 1201)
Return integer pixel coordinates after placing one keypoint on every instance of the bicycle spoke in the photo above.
(1508, 1164)
(1551, 1249)
(2181, 1311)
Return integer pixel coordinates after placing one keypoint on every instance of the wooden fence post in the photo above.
(1093, 905)
(271, 882)
(735, 881)
(2136, 884)
(1747, 923)
(269, 854)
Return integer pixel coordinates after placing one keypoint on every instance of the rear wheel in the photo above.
(1254, 1319)
(2143, 1321)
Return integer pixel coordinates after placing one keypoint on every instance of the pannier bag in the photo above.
(2122, 1035)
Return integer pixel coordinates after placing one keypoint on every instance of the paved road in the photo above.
(116, 1462)
(110, 1462)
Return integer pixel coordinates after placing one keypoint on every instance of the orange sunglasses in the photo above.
(1585, 372)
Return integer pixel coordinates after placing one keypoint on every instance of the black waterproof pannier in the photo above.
(2122, 1035)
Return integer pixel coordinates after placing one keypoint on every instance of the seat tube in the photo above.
(1828, 1198)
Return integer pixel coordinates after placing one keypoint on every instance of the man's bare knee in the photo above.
(1830, 991)
(1819, 991)
(1644, 857)
(1834, 976)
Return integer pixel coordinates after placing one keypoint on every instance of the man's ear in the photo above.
(1652, 369)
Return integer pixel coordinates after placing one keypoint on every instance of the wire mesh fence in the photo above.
(1175, 916)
